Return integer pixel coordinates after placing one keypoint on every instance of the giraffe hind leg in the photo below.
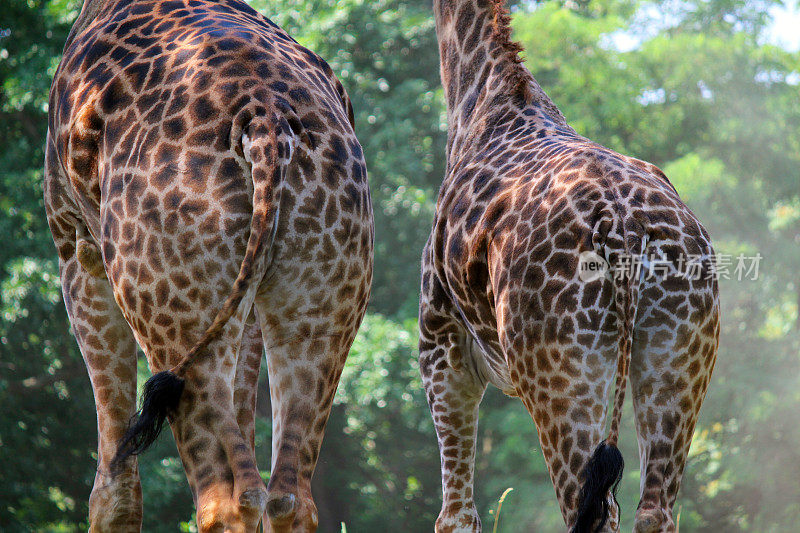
(304, 370)
(673, 356)
(307, 337)
(245, 390)
(217, 455)
(109, 351)
(565, 384)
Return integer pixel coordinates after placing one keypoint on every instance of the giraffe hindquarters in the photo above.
(109, 351)
(673, 356)
(218, 458)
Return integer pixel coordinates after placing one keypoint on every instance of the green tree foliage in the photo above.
(690, 86)
(44, 393)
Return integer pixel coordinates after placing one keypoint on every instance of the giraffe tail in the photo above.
(603, 471)
(267, 144)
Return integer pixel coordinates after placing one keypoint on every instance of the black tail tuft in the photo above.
(161, 395)
(603, 472)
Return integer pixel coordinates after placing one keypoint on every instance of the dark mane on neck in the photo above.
(501, 32)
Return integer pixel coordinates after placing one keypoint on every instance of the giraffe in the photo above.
(208, 199)
(503, 301)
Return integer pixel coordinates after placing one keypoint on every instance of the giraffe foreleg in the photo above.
(453, 397)
(245, 390)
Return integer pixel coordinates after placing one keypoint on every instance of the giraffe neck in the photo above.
(474, 46)
(480, 67)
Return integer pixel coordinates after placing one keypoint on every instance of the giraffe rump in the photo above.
(603, 471)
(160, 398)
(268, 146)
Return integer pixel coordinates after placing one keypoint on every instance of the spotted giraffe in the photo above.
(503, 302)
(208, 199)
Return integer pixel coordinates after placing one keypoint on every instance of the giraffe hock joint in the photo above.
(160, 397)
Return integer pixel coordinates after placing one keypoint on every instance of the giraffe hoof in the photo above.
(254, 500)
(281, 508)
(648, 521)
(466, 521)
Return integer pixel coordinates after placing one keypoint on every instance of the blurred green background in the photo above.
(703, 88)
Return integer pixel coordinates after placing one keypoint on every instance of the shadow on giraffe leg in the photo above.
(115, 504)
(303, 372)
(229, 493)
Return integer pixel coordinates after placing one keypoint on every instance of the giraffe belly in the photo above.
(484, 358)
